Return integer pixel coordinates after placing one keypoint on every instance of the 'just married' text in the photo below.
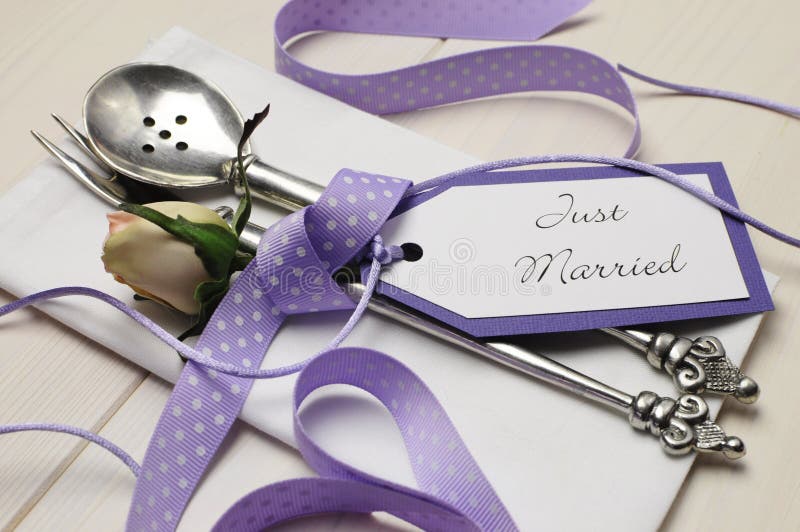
(567, 265)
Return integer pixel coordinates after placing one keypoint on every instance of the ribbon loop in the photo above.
(284, 501)
(490, 72)
(454, 494)
(291, 273)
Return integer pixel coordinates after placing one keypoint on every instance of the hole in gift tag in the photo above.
(411, 252)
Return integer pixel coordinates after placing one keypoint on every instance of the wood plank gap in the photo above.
(80, 448)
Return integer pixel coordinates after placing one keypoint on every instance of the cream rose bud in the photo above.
(154, 263)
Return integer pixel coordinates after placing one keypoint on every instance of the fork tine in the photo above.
(113, 187)
(80, 139)
(85, 175)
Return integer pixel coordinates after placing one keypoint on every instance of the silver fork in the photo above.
(681, 425)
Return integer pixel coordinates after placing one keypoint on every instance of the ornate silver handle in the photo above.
(696, 366)
(682, 425)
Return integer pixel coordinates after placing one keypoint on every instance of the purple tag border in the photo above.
(758, 301)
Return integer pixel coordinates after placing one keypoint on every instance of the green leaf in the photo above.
(242, 214)
(214, 244)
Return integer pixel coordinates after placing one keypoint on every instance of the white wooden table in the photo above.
(50, 51)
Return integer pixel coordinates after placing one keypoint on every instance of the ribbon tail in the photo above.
(758, 101)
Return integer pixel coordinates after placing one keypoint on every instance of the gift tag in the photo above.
(568, 249)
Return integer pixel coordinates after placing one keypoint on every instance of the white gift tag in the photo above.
(574, 241)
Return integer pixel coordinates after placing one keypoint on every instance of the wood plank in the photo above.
(47, 374)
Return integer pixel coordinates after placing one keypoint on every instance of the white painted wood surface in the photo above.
(50, 51)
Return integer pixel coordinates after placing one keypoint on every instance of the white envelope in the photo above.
(558, 462)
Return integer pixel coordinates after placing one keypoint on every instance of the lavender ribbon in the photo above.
(472, 75)
(490, 72)
(454, 494)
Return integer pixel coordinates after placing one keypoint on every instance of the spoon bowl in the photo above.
(166, 126)
(162, 124)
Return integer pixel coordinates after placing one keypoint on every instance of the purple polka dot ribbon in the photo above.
(454, 494)
(489, 72)
(292, 273)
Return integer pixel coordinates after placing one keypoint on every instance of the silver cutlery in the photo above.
(681, 424)
(168, 127)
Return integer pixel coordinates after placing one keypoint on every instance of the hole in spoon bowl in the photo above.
(148, 148)
(148, 121)
(180, 119)
(164, 134)
(182, 146)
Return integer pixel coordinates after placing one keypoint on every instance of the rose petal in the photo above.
(119, 220)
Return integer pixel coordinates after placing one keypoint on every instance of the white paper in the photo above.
(557, 461)
(528, 249)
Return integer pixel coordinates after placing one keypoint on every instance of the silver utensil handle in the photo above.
(681, 424)
(696, 366)
(250, 236)
(276, 186)
(527, 362)
(523, 360)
